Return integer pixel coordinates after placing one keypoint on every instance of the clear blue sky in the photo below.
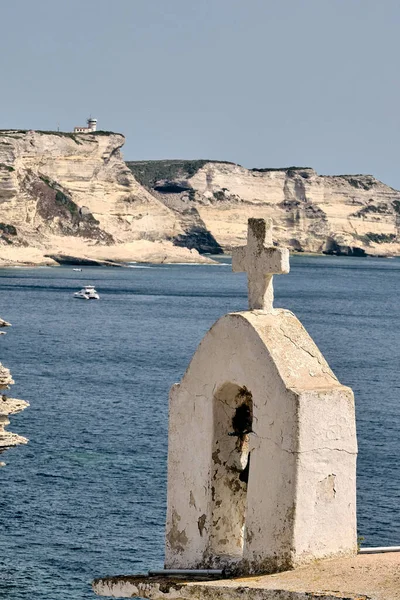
(263, 83)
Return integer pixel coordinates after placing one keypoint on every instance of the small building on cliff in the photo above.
(91, 126)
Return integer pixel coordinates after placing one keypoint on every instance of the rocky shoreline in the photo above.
(117, 256)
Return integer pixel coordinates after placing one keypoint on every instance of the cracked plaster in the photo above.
(303, 433)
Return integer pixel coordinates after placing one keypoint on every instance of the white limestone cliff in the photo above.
(73, 194)
(344, 214)
(64, 193)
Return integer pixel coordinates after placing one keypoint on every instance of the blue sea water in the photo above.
(86, 496)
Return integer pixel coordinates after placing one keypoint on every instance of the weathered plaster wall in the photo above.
(300, 496)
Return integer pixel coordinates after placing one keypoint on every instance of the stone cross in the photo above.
(261, 260)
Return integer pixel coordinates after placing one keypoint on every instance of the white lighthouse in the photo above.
(91, 126)
(92, 123)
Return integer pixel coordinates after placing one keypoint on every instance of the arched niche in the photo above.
(233, 421)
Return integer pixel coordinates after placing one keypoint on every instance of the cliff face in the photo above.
(349, 214)
(73, 194)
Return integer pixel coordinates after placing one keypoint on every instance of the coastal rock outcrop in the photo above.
(65, 193)
(8, 406)
(343, 214)
(72, 194)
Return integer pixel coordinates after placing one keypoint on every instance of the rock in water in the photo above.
(8, 406)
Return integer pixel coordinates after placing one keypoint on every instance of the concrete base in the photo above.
(364, 577)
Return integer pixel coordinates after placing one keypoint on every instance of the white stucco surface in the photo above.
(299, 501)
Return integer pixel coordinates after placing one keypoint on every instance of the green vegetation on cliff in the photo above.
(286, 169)
(378, 238)
(8, 229)
(396, 206)
(148, 172)
(76, 137)
(6, 167)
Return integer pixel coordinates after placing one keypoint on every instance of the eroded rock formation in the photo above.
(72, 194)
(343, 214)
(65, 193)
(8, 406)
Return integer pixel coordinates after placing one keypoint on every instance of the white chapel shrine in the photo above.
(262, 441)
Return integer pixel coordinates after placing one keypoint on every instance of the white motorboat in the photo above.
(87, 293)
(77, 269)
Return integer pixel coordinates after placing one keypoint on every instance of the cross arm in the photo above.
(239, 263)
(270, 260)
(274, 261)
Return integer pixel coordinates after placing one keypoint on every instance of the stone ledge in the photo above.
(364, 577)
